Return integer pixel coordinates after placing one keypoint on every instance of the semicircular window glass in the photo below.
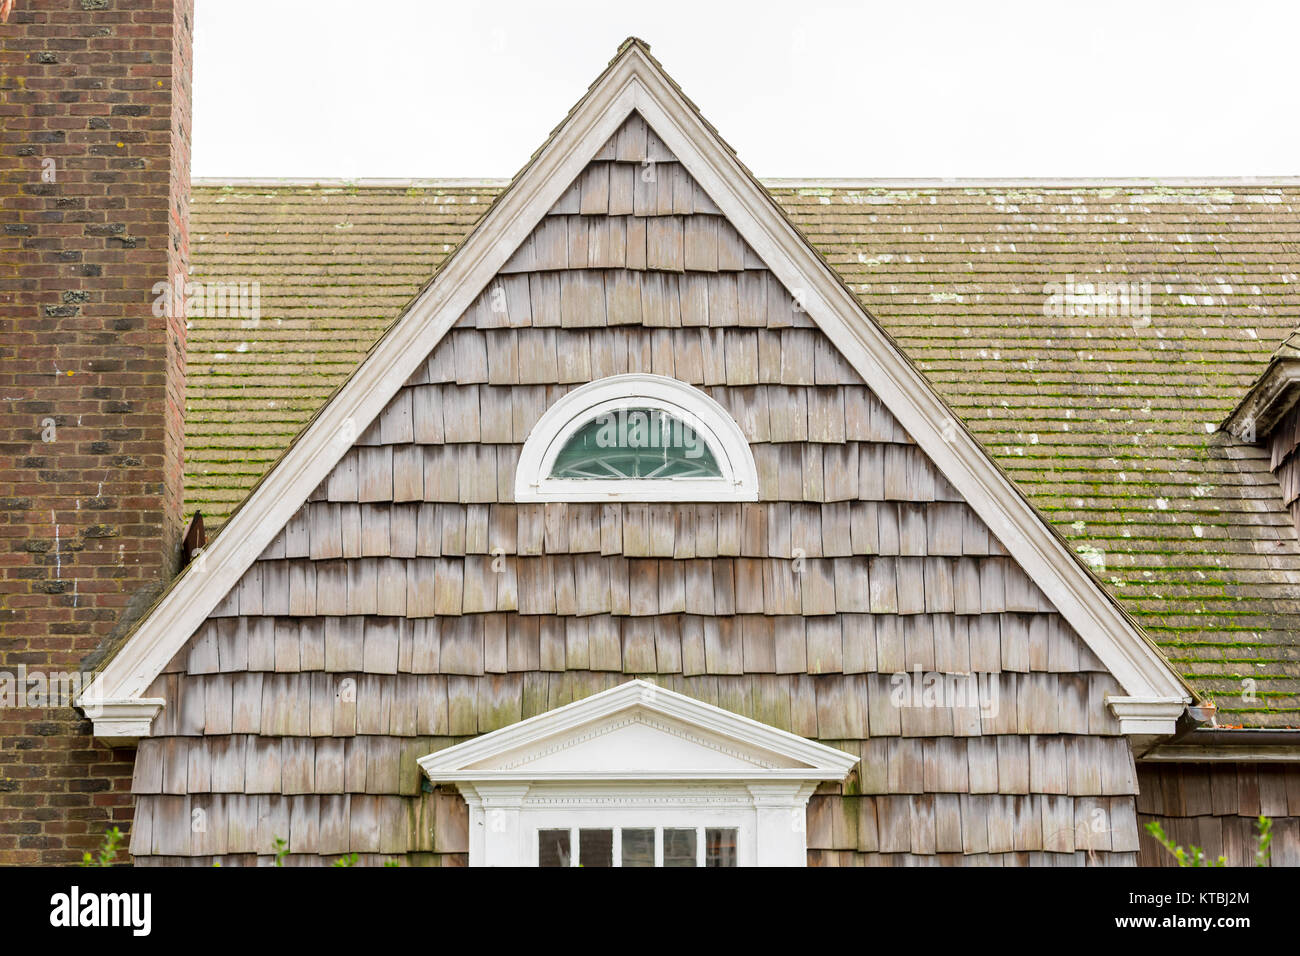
(636, 443)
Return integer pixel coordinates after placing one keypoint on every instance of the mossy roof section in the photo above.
(1108, 422)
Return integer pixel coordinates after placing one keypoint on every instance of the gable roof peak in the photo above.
(632, 41)
(635, 82)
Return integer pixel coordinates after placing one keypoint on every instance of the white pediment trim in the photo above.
(635, 81)
(747, 750)
(638, 717)
(586, 765)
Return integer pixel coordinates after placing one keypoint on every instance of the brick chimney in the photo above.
(94, 195)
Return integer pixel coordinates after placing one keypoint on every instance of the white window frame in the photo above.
(739, 479)
(744, 838)
(505, 816)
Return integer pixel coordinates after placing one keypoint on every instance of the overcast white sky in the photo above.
(308, 88)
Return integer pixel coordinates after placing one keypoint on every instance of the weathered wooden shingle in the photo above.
(411, 603)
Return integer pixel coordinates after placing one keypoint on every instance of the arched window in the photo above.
(636, 438)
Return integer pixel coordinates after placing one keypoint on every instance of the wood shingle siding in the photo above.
(411, 604)
(1215, 807)
(1284, 447)
(1078, 409)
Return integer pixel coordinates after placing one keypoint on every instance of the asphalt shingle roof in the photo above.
(1107, 421)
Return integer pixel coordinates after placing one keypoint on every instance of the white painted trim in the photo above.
(461, 763)
(769, 817)
(622, 776)
(635, 82)
(1147, 716)
(746, 783)
(739, 481)
(123, 722)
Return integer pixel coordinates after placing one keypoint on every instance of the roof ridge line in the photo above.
(959, 182)
(829, 182)
(337, 181)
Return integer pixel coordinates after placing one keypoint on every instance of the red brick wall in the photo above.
(91, 382)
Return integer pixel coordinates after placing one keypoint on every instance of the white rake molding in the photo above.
(634, 81)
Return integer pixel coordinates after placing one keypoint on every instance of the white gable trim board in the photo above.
(637, 756)
(634, 81)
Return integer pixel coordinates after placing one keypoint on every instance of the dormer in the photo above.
(1270, 413)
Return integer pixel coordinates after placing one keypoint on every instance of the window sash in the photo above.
(730, 476)
(725, 838)
(634, 444)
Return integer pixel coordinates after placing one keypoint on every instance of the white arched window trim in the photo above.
(739, 480)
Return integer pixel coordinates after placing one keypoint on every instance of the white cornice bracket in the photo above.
(121, 723)
(1147, 716)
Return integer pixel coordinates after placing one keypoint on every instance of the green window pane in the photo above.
(636, 443)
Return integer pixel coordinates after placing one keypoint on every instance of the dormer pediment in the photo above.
(637, 731)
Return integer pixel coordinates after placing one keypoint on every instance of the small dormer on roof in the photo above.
(1270, 413)
(1272, 398)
